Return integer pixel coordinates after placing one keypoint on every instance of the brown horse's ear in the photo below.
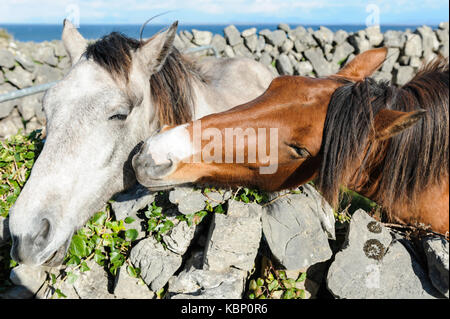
(389, 123)
(363, 65)
(153, 53)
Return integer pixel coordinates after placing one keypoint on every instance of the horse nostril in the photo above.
(160, 170)
(145, 167)
(43, 234)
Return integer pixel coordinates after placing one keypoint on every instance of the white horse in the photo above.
(118, 93)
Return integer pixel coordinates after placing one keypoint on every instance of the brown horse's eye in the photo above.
(300, 151)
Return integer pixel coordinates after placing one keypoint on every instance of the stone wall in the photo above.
(298, 51)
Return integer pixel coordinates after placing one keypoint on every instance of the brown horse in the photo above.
(390, 144)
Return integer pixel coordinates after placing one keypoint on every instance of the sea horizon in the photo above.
(48, 32)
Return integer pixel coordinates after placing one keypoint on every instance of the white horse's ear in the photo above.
(73, 41)
(152, 55)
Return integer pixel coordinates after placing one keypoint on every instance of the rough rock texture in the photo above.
(92, 284)
(157, 264)
(127, 287)
(29, 277)
(188, 200)
(372, 265)
(205, 284)
(179, 237)
(234, 238)
(297, 228)
(436, 250)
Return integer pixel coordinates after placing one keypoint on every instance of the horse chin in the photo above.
(57, 258)
(154, 187)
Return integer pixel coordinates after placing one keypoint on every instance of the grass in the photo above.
(5, 35)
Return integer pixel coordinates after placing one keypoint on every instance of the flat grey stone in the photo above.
(321, 66)
(234, 238)
(382, 76)
(394, 39)
(215, 198)
(188, 200)
(27, 106)
(179, 237)
(437, 250)
(374, 35)
(284, 65)
(202, 37)
(232, 35)
(413, 46)
(205, 284)
(19, 77)
(403, 75)
(249, 32)
(304, 68)
(45, 53)
(219, 42)
(241, 50)
(157, 264)
(29, 277)
(323, 36)
(7, 60)
(45, 73)
(275, 38)
(131, 201)
(284, 26)
(91, 284)
(297, 228)
(342, 51)
(430, 42)
(11, 124)
(251, 42)
(391, 58)
(304, 36)
(287, 46)
(340, 36)
(127, 287)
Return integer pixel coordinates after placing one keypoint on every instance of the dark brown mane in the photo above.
(409, 161)
(171, 87)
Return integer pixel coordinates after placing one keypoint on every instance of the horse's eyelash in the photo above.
(301, 151)
(120, 117)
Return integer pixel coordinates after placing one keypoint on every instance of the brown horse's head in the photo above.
(273, 142)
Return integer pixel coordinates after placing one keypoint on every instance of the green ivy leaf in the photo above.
(131, 234)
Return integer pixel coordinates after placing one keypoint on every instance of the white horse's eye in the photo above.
(120, 117)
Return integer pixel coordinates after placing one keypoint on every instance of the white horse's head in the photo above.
(97, 117)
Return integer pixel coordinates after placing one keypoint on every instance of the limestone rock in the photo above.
(374, 266)
(297, 228)
(157, 264)
(437, 250)
(127, 287)
(234, 238)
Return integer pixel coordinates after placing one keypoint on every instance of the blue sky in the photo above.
(224, 12)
